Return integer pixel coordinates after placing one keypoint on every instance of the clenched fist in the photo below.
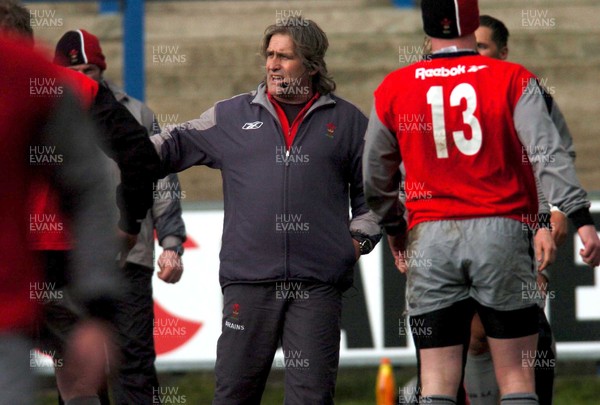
(171, 266)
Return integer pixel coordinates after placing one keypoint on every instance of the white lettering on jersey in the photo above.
(422, 73)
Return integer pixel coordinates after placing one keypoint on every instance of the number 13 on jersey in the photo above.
(435, 98)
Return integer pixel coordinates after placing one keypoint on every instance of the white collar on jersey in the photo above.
(452, 49)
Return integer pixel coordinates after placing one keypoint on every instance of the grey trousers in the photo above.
(303, 317)
(17, 384)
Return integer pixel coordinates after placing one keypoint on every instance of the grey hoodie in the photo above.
(165, 214)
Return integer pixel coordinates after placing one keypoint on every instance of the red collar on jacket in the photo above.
(289, 133)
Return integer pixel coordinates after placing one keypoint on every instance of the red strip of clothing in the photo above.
(289, 133)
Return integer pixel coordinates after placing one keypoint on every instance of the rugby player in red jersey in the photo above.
(476, 160)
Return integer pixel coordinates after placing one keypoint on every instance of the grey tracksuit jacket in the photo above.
(165, 214)
(286, 211)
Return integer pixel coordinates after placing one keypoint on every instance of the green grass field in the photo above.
(355, 386)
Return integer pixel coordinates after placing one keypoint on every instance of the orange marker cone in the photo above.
(385, 389)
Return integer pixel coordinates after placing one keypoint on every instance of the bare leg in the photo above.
(510, 356)
(441, 370)
(84, 368)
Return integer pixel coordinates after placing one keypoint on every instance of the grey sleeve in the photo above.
(191, 143)
(543, 205)
(366, 224)
(363, 221)
(166, 212)
(381, 171)
(84, 187)
(566, 139)
(551, 162)
(149, 120)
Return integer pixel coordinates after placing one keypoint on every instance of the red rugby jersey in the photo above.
(453, 118)
(49, 228)
(26, 101)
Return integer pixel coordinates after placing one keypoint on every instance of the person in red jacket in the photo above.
(122, 139)
(471, 159)
(39, 113)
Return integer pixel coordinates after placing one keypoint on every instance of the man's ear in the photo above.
(503, 53)
(312, 72)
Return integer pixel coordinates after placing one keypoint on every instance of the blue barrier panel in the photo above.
(133, 44)
(403, 3)
(109, 6)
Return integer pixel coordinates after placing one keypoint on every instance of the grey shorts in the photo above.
(488, 259)
(59, 320)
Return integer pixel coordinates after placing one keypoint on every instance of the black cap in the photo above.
(449, 19)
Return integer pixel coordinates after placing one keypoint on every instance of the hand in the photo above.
(558, 220)
(356, 248)
(397, 245)
(545, 249)
(171, 266)
(591, 251)
(126, 241)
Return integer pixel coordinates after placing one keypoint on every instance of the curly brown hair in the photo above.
(310, 43)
